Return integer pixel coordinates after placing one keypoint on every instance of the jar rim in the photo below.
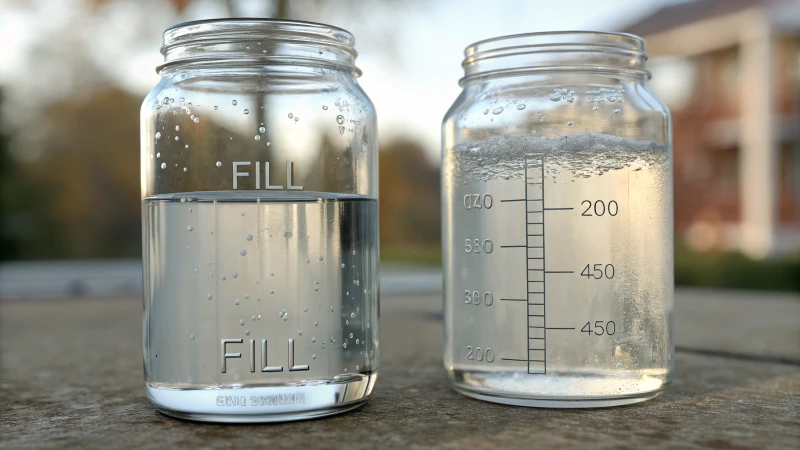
(555, 51)
(231, 39)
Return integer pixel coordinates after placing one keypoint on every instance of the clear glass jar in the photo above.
(259, 184)
(557, 223)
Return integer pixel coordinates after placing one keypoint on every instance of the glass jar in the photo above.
(557, 223)
(259, 184)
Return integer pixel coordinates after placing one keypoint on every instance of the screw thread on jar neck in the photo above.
(259, 42)
(555, 51)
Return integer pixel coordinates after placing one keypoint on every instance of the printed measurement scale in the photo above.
(537, 271)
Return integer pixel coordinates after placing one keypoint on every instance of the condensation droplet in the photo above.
(241, 322)
(177, 138)
(316, 323)
(262, 129)
(325, 108)
(223, 277)
(247, 332)
(299, 332)
(189, 228)
(617, 110)
(158, 135)
(269, 144)
(191, 336)
(258, 138)
(340, 119)
(498, 110)
(249, 237)
(570, 123)
(163, 165)
(521, 106)
(351, 335)
(235, 274)
(216, 107)
(595, 108)
(236, 302)
(246, 111)
(291, 115)
(209, 296)
(185, 169)
(177, 128)
(352, 315)
(246, 296)
(234, 103)
(343, 266)
(344, 345)
(219, 163)
(313, 356)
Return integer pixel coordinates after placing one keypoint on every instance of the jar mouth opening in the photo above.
(555, 51)
(258, 40)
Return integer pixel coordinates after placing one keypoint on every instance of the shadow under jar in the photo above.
(259, 184)
(557, 224)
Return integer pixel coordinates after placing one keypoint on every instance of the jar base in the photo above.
(259, 404)
(559, 390)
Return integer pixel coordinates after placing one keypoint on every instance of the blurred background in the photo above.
(73, 74)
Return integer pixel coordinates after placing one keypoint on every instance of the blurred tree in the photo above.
(89, 182)
(24, 229)
(409, 198)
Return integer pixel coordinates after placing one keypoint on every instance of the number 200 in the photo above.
(479, 354)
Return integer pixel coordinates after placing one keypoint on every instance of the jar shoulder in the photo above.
(556, 106)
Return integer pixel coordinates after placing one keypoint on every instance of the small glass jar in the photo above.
(557, 223)
(259, 184)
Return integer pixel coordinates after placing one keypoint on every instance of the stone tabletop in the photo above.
(71, 377)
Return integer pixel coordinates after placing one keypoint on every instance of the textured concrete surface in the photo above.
(71, 377)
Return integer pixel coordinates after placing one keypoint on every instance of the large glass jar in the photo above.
(259, 185)
(557, 223)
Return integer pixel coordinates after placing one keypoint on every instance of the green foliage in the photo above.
(735, 271)
(428, 255)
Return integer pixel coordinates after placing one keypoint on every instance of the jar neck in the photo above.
(258, 42)
(615, 54)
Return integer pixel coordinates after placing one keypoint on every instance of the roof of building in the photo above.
(684, 13)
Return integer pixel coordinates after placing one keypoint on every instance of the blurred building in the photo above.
(730, 72)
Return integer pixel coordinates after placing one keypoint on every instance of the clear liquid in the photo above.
(513, 344)
(292, 275)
